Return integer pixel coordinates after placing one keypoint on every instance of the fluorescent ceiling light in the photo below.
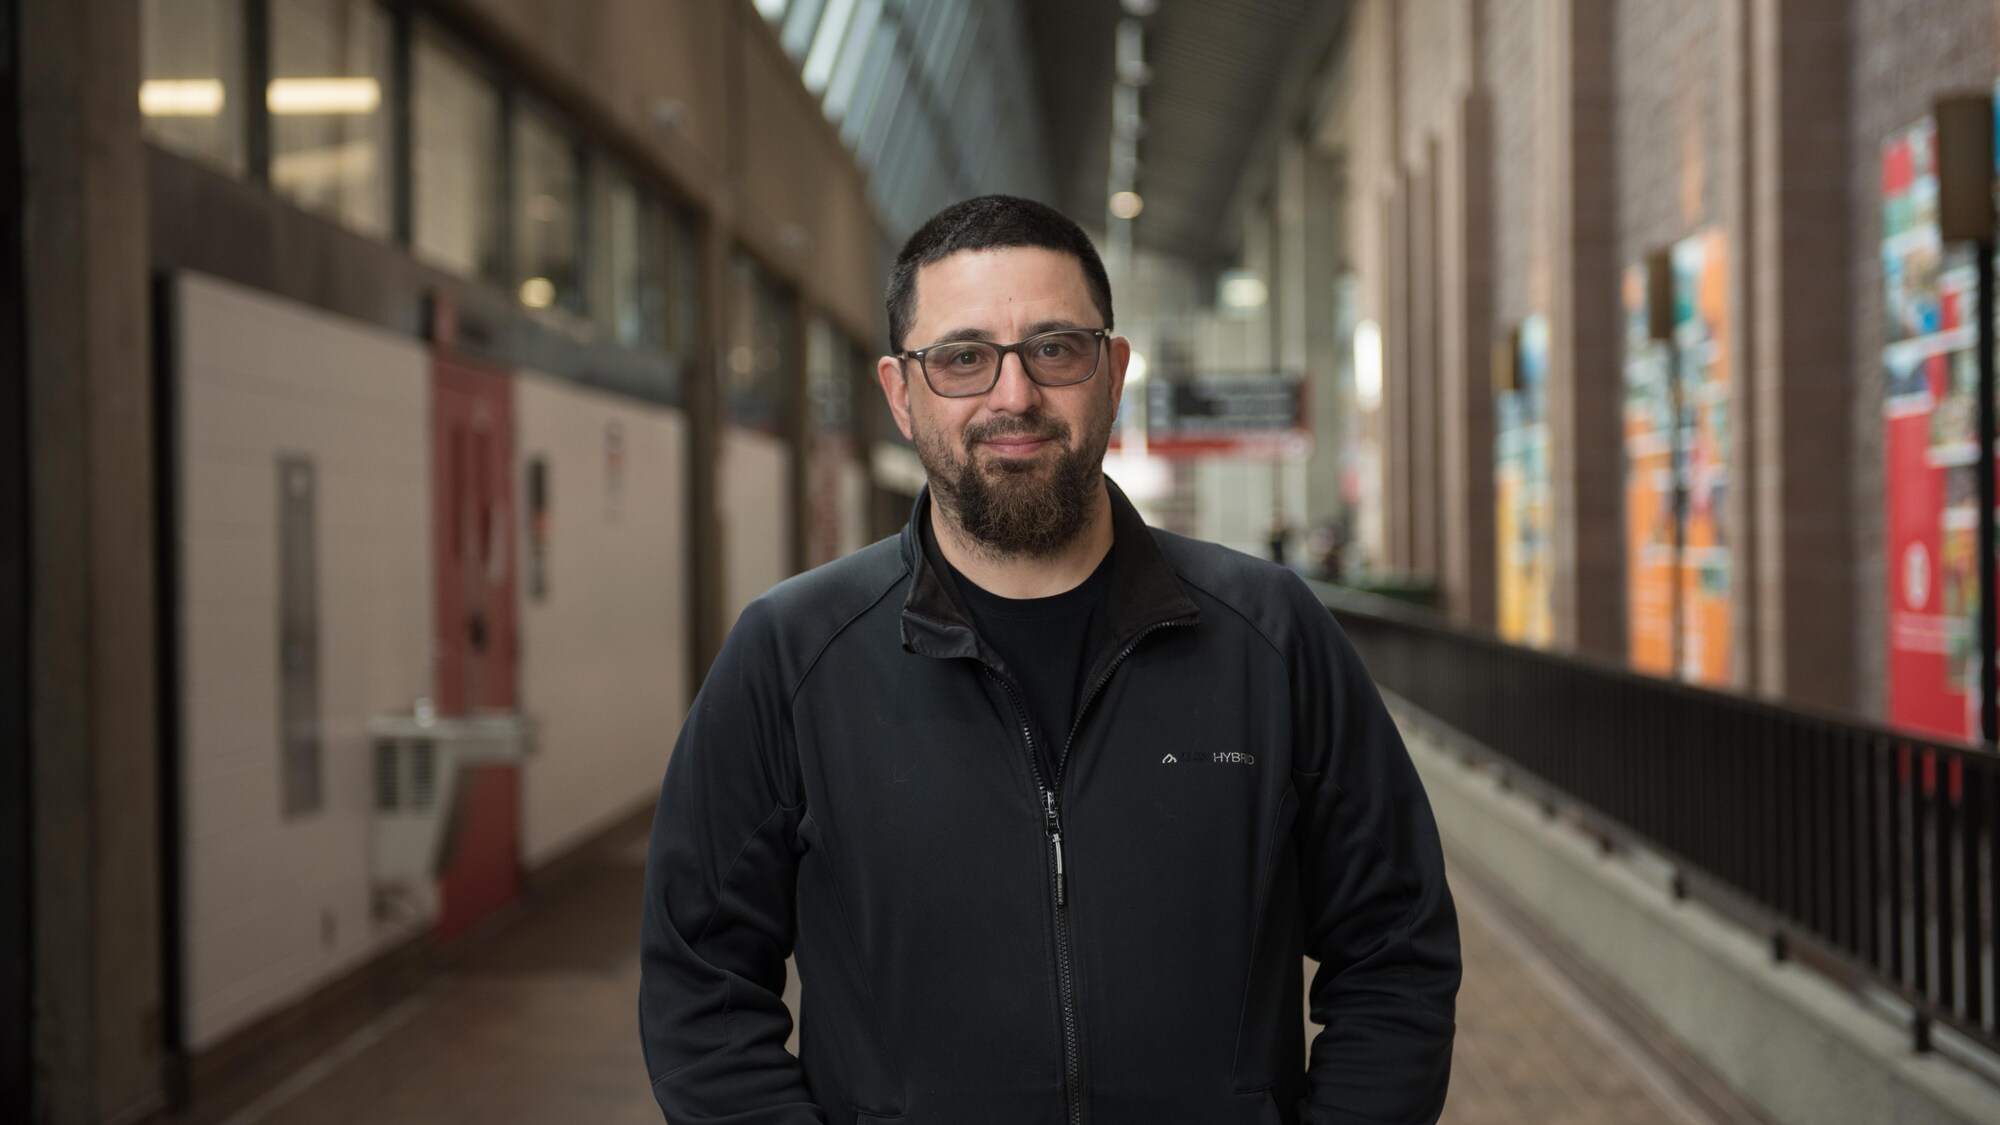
(181, 97)
(308, 97)
(1242, 289)
(1127, 204)
(1368, 364)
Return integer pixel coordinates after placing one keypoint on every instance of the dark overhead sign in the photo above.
(1237, 414)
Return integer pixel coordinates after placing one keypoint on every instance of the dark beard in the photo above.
(1021, 509)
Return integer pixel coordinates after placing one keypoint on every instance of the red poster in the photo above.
(1930, 449)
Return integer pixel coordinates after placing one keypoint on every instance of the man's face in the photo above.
(1017, 469)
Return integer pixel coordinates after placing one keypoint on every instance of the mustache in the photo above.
(1019, 425)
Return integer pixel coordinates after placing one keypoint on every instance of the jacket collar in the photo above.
(1145, 591)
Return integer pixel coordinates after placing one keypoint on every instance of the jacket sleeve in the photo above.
(1378, 916)
(718, 915)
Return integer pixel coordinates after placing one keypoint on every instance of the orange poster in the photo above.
(1652, 518)
(1701, 348)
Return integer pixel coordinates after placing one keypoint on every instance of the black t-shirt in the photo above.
(1047, 643)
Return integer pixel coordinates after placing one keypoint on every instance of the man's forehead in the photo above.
(994, 282)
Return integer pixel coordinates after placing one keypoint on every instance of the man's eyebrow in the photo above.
(961, 334)
(984, 336)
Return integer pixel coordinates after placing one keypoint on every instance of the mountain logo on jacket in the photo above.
(1224, 758)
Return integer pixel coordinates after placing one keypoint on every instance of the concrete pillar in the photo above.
(1422, 365)
(1398, 428)
(1743, 217)
(1328, 350)
(1801, 374)
(94, 711)
(702, 397)
(16, 905)
(1585, 452)
(1465, 386)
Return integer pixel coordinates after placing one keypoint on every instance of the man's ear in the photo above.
(1121, 354)
(894, 376)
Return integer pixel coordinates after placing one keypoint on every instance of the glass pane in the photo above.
(628, 293)
(684, 269)
(762, 362)
(853, 52)
(455, 172)
(884, 177)
(829, 379)
(897, 108)
(875, 94)
(935, 36)
(956, 60)
(331, 144)
(191, 94)
(801, 21)
(826, 45)
(547, 215)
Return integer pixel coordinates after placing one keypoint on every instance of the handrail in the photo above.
(1870, 851)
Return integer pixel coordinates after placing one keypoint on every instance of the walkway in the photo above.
(537, 1025)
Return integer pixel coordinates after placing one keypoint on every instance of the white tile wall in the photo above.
(604, 659)
(275, 907)
(754, 506)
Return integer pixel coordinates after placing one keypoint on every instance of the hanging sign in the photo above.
(1249, 414)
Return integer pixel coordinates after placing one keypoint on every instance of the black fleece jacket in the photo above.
(983, 939)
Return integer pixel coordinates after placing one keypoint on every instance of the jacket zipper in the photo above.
(1065, 974)
(1052, 825)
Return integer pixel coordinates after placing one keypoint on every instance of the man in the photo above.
(1048, 805)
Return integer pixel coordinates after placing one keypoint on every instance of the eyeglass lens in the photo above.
(971, 367)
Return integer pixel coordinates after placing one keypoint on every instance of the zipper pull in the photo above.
(1061, 896)
(1055, 837)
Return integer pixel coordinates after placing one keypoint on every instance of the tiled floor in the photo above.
(538, 1025)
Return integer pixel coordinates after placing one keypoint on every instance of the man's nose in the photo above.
(1014, 392)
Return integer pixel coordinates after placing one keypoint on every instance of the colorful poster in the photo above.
(1652, 517)
(1522, 499)
(1930, 411)
(1701, 352)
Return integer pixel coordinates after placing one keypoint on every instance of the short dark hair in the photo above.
(989, 222)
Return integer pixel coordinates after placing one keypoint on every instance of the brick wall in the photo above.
(1668, 69)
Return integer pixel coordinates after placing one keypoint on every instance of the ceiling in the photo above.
(1220, 70)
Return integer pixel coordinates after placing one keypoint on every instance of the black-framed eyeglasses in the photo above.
(969, 368)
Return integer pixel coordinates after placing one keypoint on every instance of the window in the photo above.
(762, 368)
(853, 52)
(548, 214)
(332, 146)
(826, 42)
(878, 87)
(685, 288)
(629, 283)
(800, 22)
(191, 96)
(455, 161)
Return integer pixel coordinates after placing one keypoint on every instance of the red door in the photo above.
(472, 458)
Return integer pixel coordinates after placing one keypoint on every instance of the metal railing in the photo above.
(1867, 852)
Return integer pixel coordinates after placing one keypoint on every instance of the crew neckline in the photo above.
(983, 601)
